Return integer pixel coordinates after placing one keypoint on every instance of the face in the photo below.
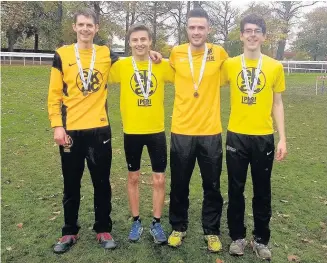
(85, 29)
(252, 37)
(197, 31)
(140, 43)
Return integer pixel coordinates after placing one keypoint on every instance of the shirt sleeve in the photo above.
(55, 92)
(279, 85)
(169, 72)
(172, 58)
(114, 74)
(223, 54)
(224, 78)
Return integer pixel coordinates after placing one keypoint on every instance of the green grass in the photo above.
(32, 183)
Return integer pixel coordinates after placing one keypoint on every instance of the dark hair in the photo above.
(138, 27)
(87, 12)
(197, 12)
(254, 19)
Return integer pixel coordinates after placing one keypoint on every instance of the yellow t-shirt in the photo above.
(137, 116)
(197, 116)
(252, 119)
(67, 105)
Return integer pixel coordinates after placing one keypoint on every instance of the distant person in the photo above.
(142, 109)
(256, 85)
(196, 130)
(78, 113)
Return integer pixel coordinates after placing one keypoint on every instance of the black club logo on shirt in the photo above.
(136, 87)
(95, 82)
(251, 74)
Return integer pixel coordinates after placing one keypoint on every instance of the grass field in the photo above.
(32, 183)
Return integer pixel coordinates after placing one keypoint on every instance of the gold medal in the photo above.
(146, 102)
(250, 102)
(196, 94)
(85, 93)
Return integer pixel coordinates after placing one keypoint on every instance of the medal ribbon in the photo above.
(190, 60)
(138, 77)
(256, 75)
(80, 69)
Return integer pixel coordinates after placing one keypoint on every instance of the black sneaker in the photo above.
(65, 243)
(106, 240)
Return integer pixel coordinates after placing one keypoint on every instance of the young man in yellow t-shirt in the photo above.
(78, 114)
(142, 110)
(196, 130)
(256, 83)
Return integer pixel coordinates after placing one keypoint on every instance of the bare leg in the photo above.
(158, 193)
(133, 192)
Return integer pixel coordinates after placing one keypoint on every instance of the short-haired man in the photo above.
(78, 113)
(142, 109)
(256, 82)
(196, 130)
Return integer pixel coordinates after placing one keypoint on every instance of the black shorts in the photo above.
(157, 148)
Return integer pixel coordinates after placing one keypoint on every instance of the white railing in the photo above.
(318, 66)
(291, 66)
(11, 55)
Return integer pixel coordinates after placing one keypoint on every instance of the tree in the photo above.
(14, 16)
(222, 18)
(286, 12)
(312, 39)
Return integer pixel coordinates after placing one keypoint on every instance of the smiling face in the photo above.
(252, 37)
(197, 31)
(140, 43)
(85, 29)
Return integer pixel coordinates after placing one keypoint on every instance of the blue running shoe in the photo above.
(136, 231)
(156, 231)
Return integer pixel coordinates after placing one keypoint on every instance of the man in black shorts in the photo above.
(141, 104)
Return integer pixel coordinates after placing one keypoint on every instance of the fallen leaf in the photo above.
(56, 213)
(293, 258)
(284, 201)
(9, 248)
(82, 198)
(167, 201)
(305, 240)
(53, 218)
(324, 246)
(20, 225)
(143, 173)
(143, 182)
(322, 225)
(218, 260)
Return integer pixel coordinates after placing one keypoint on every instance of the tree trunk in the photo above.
(281, 49)
(36, 42)
(126, 28)
(11, 39)
(188, 6)
(97, 9)
(59, 21)
(179, 24)
(154, 25)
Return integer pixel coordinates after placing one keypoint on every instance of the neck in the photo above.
(200, 48)
(83, 45)
(255, 54)
(144, 57)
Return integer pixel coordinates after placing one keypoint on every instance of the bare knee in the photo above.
(133, 178)
(158, 180)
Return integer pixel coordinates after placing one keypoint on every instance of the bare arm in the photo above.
(278, 113)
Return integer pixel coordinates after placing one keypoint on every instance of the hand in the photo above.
(281, 151)
(60, 136)
(156, 57)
